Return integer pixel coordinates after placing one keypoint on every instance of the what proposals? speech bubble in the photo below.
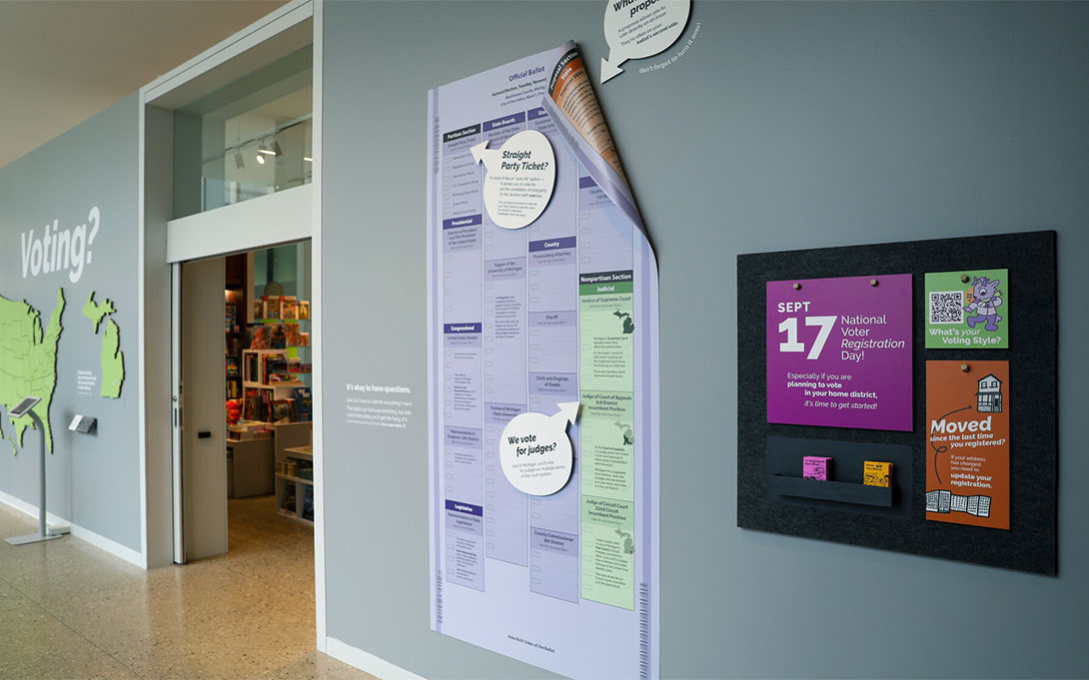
(521, 178)
(637, 29)
(535, 451)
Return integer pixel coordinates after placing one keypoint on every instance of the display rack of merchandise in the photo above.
(268, 386)
(295, 483)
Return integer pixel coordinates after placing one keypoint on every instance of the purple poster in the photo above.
(839, 352)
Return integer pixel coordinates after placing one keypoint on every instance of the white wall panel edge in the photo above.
(317, 308)
(141, 323)
(261, 222)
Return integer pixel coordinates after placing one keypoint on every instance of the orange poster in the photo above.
(968, 443)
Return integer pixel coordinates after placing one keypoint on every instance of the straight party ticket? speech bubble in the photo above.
(521, 178)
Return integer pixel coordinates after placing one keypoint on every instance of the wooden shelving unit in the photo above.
(290, 486)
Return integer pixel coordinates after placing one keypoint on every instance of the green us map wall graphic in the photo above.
(28, 359)
(28, 363)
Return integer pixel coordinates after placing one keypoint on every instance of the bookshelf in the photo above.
(269, 387)
(295, 483)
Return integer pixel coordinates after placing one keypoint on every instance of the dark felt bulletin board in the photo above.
(1031, 542)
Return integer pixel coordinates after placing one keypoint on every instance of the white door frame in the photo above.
(239, 54)
(178, 419)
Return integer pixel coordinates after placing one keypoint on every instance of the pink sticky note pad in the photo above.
(816, 467)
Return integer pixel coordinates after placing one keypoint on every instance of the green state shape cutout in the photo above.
(112, 359)
(96, 312)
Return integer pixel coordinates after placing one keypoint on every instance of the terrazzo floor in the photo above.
(71, 610)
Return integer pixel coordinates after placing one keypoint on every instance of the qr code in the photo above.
(947, 307)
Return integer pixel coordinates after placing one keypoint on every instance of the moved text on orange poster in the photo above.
(968, 443)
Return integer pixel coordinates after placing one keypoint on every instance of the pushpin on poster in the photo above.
(521, 177)
(637, 29)
(535, 451)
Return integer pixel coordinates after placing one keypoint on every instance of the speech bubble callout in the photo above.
(535, 451)
(521, 178)
(637, 29)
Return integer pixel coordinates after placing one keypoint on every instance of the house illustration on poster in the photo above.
(989, 396)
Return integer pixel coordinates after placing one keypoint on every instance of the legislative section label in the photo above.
(563, 311)
(839, 352)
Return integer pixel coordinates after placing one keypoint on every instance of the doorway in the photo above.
(218, 201)
(247, 396)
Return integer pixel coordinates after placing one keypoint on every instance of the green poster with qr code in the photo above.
(968, 309)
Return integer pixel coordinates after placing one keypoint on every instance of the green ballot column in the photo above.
(607, 378)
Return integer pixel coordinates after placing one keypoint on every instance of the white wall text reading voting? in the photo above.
(58, 250)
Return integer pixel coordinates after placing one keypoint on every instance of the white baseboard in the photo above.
(113, 547)
(97, 540)
(365, 661)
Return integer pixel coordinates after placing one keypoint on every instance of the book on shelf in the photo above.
(274, 368)
(280, 411)
(304, 404)
(252, 367)
(289, 308)
(277, 338)
(304, 309)
(251, 404)
(271, 307)
(292, 335)
(296, 365)
(260, 337)
(230, 317)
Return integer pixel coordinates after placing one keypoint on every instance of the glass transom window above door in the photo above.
(248, 139)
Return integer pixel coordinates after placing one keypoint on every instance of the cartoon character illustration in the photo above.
(986, 299)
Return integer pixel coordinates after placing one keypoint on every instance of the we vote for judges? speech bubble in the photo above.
(535, 451)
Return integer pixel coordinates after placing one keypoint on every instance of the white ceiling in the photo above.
(63, 61)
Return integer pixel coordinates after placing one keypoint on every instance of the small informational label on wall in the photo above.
(839, 352)
(85, 382)
(378, 405)
(968, 443)
(967, 310)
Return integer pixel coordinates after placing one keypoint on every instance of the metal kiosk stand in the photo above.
(44, 534)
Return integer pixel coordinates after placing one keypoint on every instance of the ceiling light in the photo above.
(270, 149)
(239, 163)
(308, 159)
(260, 158)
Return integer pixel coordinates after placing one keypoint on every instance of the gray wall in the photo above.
(784, 126)
(94, 480)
